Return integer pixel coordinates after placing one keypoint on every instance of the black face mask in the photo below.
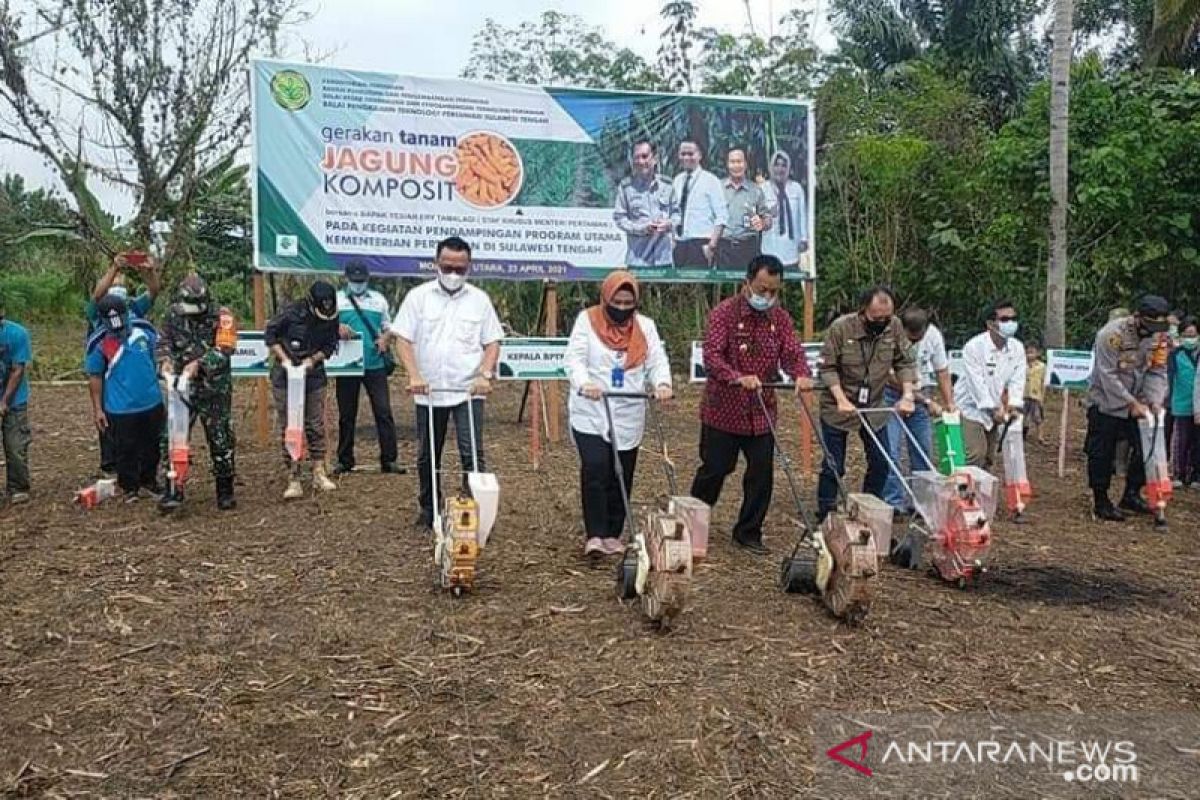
(1148, 328)
(876, 327)
(619, 315)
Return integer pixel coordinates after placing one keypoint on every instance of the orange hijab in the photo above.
(628, 337)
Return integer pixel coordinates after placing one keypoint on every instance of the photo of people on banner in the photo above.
(699, 219)
(547, 183)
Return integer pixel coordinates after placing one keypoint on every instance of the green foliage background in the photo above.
(932, 162)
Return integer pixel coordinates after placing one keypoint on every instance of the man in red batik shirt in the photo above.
(750, 340)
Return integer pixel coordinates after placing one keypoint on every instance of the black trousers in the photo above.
(376, 383)
(108, 452)
(737, 254)
(136, 437)
(690, 253)
(462, 432)
(1103, 433)
(718, 458)
(603, 506)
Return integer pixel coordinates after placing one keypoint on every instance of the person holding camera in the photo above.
(115, 283)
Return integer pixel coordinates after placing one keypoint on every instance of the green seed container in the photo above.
(948, 442)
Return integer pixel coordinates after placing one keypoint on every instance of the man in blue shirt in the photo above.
(698, 210)
(114, 282)
(126, 399)
(15, 355)
(364, 312)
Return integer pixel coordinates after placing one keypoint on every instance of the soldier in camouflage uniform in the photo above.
(1128, 381)
(189, 346)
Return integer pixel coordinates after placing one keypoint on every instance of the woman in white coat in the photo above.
(612, 348)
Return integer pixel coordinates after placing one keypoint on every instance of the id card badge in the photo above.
(864, 396)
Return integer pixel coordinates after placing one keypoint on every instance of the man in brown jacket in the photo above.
(860, 352)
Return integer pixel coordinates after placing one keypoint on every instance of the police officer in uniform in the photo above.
(197, 341)
(1128, 381)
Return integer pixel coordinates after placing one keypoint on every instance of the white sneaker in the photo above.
(294, 490)
(17, 498)
(613, 546)
(321, 481)
(595, 546)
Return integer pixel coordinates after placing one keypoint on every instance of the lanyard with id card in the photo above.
(864, 391)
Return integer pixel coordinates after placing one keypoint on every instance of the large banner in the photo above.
(544, 183)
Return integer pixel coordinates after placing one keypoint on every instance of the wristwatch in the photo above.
(487, 375)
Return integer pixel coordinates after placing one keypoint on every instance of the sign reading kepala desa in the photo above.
(542, 182)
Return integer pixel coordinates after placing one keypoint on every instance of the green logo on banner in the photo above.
(290, 90)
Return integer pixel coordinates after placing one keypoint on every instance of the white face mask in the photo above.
(451, 281)
(761, 302)
(357, 287)
(1008, 328)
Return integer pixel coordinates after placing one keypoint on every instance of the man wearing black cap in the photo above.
(305, 333)
(364, 312)
(1128, 381)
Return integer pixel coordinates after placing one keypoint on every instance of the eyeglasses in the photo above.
(453, 270)
(1007, 318)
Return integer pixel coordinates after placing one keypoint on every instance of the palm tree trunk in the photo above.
(1060, 93)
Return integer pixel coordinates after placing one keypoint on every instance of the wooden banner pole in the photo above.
(535, 424)
(554, 408)
(262, 425)
(806, 431)
(1062, 431)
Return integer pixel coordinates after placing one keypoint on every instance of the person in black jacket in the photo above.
(305, 334)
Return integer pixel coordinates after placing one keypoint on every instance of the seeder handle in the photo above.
(892, 465)
(620, 470)
(785, 462)
(668, 464)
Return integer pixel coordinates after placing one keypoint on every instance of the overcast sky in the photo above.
(433, 38)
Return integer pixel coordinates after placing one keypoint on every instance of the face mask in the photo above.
(761, 302)
(1149, 327)
(451, 281)
(357, 287)
(619, 315)
(1173, 331)
(119, 291)
(116, 323)
(876, 327)
(1008, 328)
(1187, 342)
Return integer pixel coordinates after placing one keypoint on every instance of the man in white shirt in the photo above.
(992, 386)
(935, 395)
(787, 236)
(698, 211)
(448, 337)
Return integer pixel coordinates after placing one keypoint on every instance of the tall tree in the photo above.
(557, 50)
(678, 39)
(780, 65)
(147, 96)
(1060, 95)
(1174, 38)
(989, 43)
